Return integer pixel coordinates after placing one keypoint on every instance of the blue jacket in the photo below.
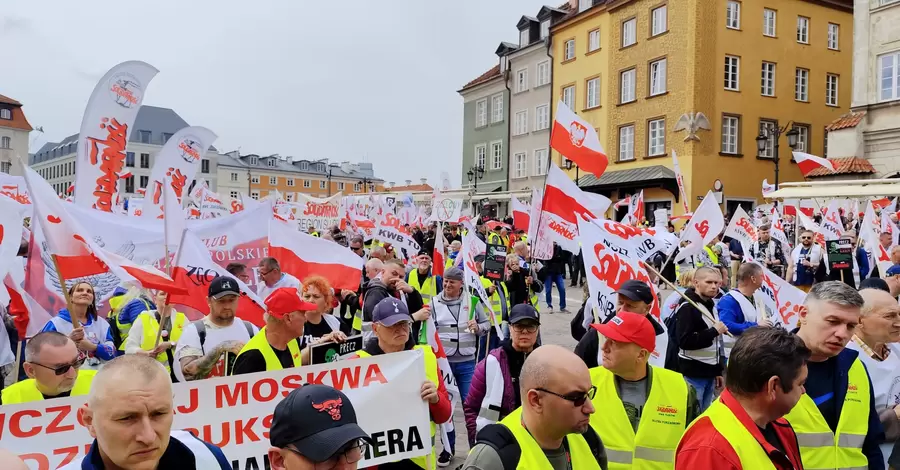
(131, 310)
(106, 350)
(732, 316)
(862, 261)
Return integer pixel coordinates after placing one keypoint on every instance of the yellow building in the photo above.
(746, 65)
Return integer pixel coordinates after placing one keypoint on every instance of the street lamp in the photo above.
(762, 141)
(475, 173)
(368, 185)
(568, 164)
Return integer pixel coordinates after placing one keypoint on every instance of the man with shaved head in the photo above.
(129, 414)
(552, 427)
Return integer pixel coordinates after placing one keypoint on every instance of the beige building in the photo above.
(14, 129)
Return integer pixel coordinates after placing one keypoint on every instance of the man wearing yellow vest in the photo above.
(391, 322)
(142, 338)
(52, 364)
(744, 428)
(645, 409)
(423, 280)
(835, 420)
(551, 430)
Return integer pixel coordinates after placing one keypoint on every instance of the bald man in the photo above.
(9, 461)
(129, 414)
(552, 427)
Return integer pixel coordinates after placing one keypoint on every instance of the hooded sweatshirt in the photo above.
(96, 330)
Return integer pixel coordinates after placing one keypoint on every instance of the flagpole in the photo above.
(703, 310)
(62, 283)
(19, 347)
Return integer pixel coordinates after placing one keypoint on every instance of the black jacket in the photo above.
(692, 333)
(556, 264)
(376, 291)
(518, 290)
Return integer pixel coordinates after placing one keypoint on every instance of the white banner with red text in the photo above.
(177, 163)
(316, 212)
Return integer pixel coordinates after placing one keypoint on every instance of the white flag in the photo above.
(705, 224)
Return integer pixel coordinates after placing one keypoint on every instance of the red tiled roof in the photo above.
(18, 120)
(8, 100)
(846, 121)
(490, 74)
(410, 188)
(845, 166)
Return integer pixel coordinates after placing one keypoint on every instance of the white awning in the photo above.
(831, 189)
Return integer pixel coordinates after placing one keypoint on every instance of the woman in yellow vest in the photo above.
(145, 337)
(52, 363)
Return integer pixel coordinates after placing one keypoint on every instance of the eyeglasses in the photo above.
(805, 238)
(577, 398)
(529, 328)
(61, 370)
(264, 274)
(356, 248)
(351, 453)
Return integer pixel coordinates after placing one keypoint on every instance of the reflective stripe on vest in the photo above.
(428, 289)
(493, 394)
(819, 447)
(151, 327)
(534, 458)
(713, 257)
(452, 331)
(497, 302)
(260, 343)
(26, 391)
(748, 450)
(708, 355)
(661, 426)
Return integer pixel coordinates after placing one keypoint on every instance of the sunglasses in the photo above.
(61, 370)
(525, 328)
(577, 398)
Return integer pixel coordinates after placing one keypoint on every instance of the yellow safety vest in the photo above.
(315, 234)
(661, 426)
(260, 343)
(115, 305)
(713, 257)
(496, 303)
(495, 239)
(151, 329)
(432, 375)
(533, 457)
(26, 391)
(752, 455)
(819, 447)
(428, 289)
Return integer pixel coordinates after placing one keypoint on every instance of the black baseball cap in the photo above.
(523, 312)
(636, 290)
(222, 286)
(390, 311)
(318, 420)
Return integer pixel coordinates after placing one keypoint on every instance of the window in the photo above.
(801, 85)
(273, 180)
(542, 117)
(592, 97)
(145, 160)
(254, 160)
(254, 195)
(540, 162)
(569, 53)
(322, 184)
(497, 108)
(568, 96)
(5, 167)
(5, 114)
(129, 184)
(769, 21)
(626, 143)
(304, 166)
(234, 195)
(522, 80)
(254, 179)
(626, 86)
(480, 155)
(521, 123)
(523, 38)
(144, 181)
(357, 187)
(594, 40)
(659, 20)
(129, 159)
(5, 142)
(271, 163)
(732, 73)
(521, 165)
(289, 197)
(731, 128)
(767, 86)
(481, 113)
(496, 155)
(307, 183)
(234, 177)
(543, 73)
(831, 89)
(584, 5)
(204, 166)
(767, 128)
(834, 33)
(733, 15)
(629, 32)
(144, 137)
(889, 76)
(803, 30)
(340, 186)
(658, 77)
(545, 28)
(290, 182)
(656, 137)
(166, 136)
(802, 138)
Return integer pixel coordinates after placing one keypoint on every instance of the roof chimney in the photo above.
(409, 182)
(424, 180)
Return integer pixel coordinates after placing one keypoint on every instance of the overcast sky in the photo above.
(357, 80)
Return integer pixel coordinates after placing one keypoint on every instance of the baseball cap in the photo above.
(318, 420)
(893, 270)
(629, 327)
(222, 286)
(636, 290)
(523, 312)
(285, 300)
(390, 311)
(453, 274)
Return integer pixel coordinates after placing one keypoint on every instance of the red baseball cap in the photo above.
(629, 327)
(285, 300)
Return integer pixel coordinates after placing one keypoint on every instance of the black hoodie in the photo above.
(692, 333)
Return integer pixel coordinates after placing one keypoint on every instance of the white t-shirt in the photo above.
(189, 343)
(885, 376)
(263, 291)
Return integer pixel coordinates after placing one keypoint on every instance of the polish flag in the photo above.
(437, 258)
(869, 232)
(303, 255)
(563, 203)
(808, 163)
(636, 208)
(75, 252)
(521, 213)
(806, 206)
(443, 363)
(577, 140)
(28, 315)
(70, 189)
(194, 269)
(127, 174)
(705, 224)
(623, 202)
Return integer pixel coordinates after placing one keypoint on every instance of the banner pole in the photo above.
(62, 283)
(703, 310)
(19, 347)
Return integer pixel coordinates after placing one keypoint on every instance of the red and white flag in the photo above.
(808, 162)
(521, 213)
(623, 202)
(767, 188)
(869, 232)
(741, 228)
(28, 315)
(561, 208)
(636, 209)
(577, 140)
(705, 224)
(194, 269)
(303, 255)
(679, 178)
(437, 257)
(777, 230)
(832, 227)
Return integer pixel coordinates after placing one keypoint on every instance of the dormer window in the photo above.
(545, 28)
(271, 162)
(503, 64)
(144, 137)
(304, 166)
(5, 114)
(523, 38)
(584, 5)
(320, 167)
(254, 160)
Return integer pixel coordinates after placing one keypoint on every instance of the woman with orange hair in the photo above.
(320, 322)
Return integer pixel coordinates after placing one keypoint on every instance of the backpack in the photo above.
(201, 331)
(501, 439)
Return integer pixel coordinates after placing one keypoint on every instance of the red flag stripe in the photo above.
(339, 275)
